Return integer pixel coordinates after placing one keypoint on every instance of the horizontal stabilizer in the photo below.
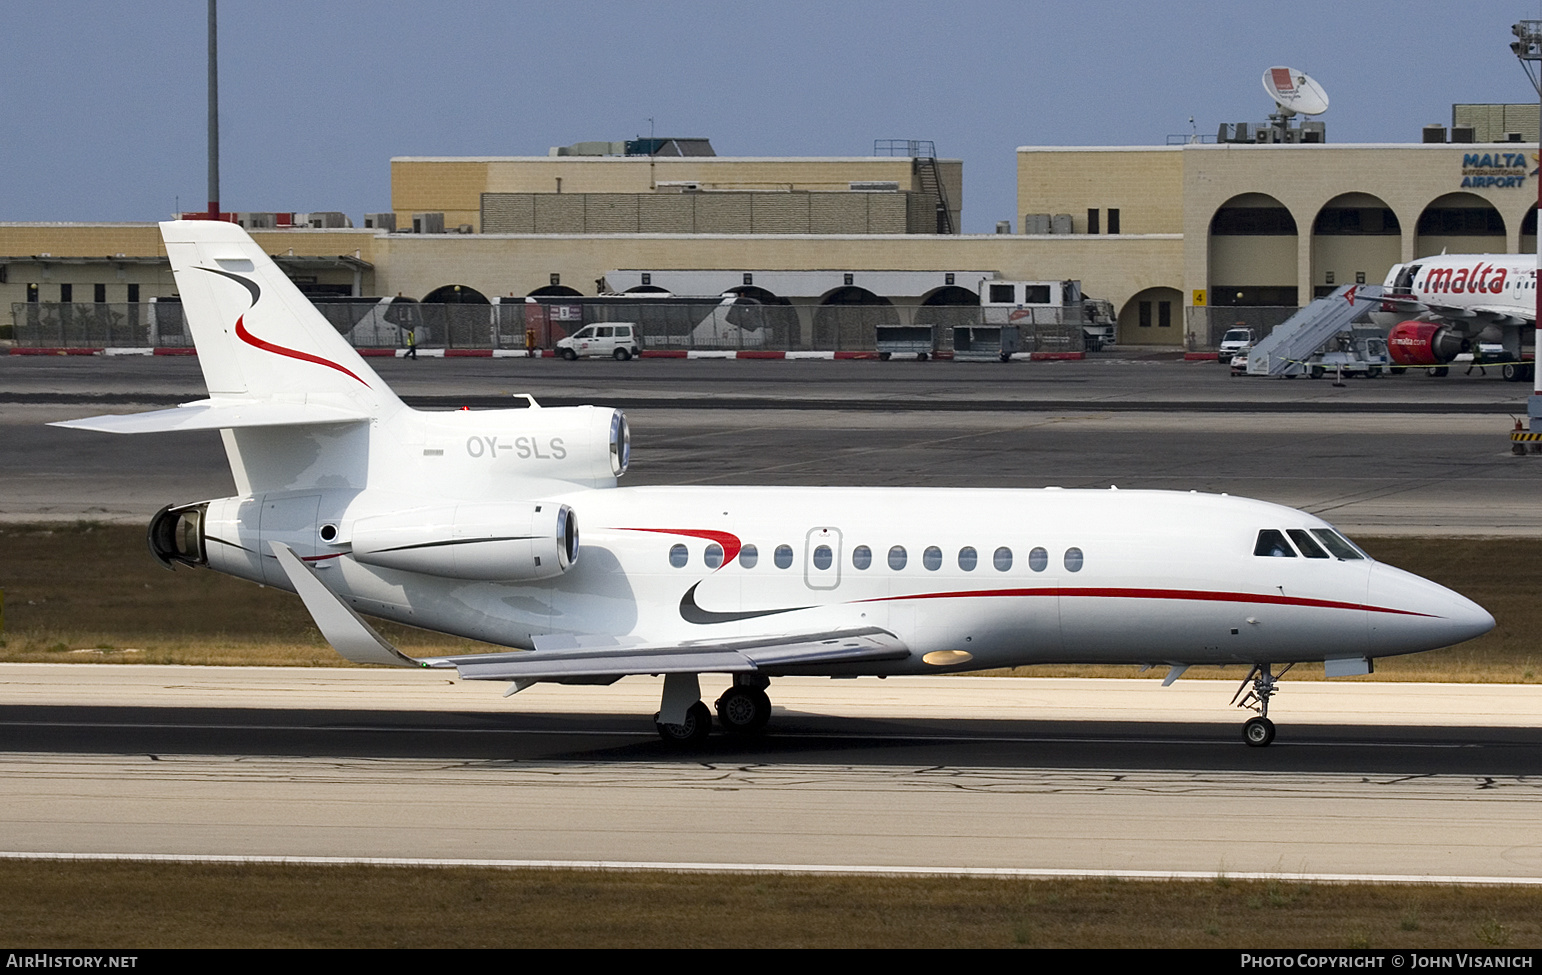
(346, 630)
(790, 652)
(217, 415)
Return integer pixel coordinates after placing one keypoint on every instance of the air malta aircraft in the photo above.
(1460, 300)
(467, 522)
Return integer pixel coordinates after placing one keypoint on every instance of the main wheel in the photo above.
(697, 726)
(569, 354)
(1258, 732)
(743, 710)
(1439, 372)
(1511, 372)
(621, 355)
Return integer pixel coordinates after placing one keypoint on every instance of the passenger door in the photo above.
(822, 558)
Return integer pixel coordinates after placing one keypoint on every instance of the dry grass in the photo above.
(129, 905)
(94, 588)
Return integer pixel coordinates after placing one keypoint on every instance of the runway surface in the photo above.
(946, 773)
(1403, 455)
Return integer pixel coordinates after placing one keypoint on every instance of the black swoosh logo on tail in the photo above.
(692, 613)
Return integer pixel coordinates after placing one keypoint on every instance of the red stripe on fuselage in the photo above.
(1200, 595)
(730, 542)
(258, 343)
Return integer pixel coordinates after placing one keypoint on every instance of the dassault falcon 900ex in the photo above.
(468, 522)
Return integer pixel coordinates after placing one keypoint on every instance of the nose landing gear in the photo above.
(1258, 732)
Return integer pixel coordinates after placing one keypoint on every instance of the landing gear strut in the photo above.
(1259, 731)
(684, 720)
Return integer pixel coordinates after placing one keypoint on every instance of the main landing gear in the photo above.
(743, 709)
(1259, 731)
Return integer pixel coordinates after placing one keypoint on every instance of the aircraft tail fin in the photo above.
(258, 337)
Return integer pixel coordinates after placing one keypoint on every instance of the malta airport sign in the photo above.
(1496, 170)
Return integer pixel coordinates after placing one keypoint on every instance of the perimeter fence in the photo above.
(663, 325)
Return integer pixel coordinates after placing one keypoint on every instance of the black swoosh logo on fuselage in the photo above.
(692, 613)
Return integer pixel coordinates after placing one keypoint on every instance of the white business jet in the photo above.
(468, 523)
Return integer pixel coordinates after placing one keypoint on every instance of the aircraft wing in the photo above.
(562, 657)
(217, 415)
(1474, 314)
(776, 653)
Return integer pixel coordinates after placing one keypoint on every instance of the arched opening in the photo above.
(456, 317)
(1152, 317)
(642, 289)
(947, 307)
(768, 315)
(1528, 243)
(555, 291)
(1253, 253)
(1356, 238)
(1459, 223)
(848, 318)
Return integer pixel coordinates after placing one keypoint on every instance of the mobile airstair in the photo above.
(1293, 342)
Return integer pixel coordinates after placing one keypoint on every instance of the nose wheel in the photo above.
(1258, 732)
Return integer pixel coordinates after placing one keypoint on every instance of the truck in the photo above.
(1042, 308)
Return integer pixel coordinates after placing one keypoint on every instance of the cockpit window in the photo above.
(1272, 544)
(1304, 542)
(1337, 544)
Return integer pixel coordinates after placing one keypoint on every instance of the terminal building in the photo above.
(1183, 240)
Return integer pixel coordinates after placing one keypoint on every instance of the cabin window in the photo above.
(861, 557)
(1073, 560)
(1338, 544)
(713, 556)
(1002, 559)
(748, 556)
(1304, 542)
(968, 558)
(932, 558)
(783, 556)
(1038, 559)
(678, 556)
(1273, 545)
(822, 557)
(897, 557)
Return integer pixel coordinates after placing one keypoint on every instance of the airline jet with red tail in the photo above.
(1460, 300)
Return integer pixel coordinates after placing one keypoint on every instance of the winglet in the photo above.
(346, 630)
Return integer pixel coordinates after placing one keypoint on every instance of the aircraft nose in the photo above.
(1410, 613)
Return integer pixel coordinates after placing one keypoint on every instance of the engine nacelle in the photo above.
(1424, 344)
(509, 541)
(495, 453)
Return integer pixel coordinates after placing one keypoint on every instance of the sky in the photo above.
(102, 105)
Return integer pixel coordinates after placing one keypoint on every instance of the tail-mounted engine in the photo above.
(176, 535)
(515, 541)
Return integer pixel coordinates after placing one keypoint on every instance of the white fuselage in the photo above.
(1469, 291)
(1162, 577)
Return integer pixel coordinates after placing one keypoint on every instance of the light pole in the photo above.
(1528, 48)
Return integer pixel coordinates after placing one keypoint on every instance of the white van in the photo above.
(620, 340)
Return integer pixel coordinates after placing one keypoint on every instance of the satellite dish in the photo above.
(1295, 92)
